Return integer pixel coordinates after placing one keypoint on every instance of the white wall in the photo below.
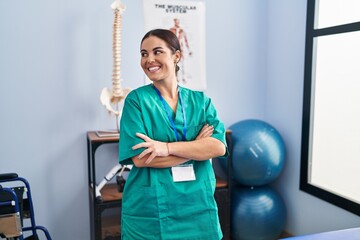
(55, 57)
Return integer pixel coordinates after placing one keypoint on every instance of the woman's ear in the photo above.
(177, 56)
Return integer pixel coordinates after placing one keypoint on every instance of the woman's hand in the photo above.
(206, 131)
(154, 148)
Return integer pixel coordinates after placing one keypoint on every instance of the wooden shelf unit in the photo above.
(102, 226)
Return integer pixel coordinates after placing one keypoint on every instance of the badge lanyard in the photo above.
(170, 117)
(182, 172)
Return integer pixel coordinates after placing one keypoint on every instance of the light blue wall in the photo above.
(55, 57)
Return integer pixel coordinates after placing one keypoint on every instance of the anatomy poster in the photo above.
(187, 20)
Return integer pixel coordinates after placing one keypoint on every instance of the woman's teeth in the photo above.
(153, 69)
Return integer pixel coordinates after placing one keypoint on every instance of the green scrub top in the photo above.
(153, 205)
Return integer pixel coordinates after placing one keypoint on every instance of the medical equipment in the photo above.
(15, 206)
(116, 170)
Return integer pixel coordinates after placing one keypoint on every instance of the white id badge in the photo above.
(183, 173)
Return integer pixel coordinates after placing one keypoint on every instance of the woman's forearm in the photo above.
(201, 149)
(159, 162)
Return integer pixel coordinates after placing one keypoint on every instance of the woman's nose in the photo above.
(150, 59)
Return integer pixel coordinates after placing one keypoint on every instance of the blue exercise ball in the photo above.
(257, 213)
(258, 153)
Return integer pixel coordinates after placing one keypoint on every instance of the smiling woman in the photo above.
(331, 131)
(169, 133)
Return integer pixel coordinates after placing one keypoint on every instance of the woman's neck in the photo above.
(168, 90)
(169, 93)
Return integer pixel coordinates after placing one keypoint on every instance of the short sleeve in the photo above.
(131, 123)
(213, 120)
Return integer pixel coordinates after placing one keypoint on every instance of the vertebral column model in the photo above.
(115, 95)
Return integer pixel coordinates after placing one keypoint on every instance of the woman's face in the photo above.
(157, 59)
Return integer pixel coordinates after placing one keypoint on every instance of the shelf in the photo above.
(104, 212)
(111, 226)
(221, 183)
(93, 137)
(110, 193)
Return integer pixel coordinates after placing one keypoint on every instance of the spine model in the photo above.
(116, 94)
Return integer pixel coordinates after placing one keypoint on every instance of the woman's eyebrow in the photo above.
(157, 48)
(154, 49)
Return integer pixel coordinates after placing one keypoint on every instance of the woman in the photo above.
(169, 133)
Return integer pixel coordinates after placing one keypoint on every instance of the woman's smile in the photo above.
(154, 69)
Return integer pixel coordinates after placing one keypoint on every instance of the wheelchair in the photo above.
(17, 218)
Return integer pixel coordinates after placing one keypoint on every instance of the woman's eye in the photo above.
(157, 52)
(143, 54)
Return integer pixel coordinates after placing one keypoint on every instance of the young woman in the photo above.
(169, 133)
